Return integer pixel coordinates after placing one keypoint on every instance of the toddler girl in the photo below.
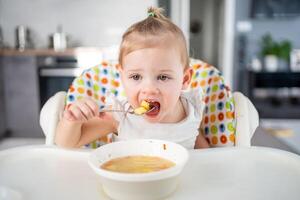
(154, 67)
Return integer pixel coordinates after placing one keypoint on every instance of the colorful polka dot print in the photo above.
(218, 124)
(97, 83)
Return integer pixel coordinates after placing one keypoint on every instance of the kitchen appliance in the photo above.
(58, 40)
(23, 38)
(56, 73)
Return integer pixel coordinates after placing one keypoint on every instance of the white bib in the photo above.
(183, 132)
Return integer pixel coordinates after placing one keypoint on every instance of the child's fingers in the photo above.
(68, 115)
(85, 109)
(101, 115)
(93, 106)
(78, 114)
(105, 116)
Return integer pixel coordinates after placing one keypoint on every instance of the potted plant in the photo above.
(284, 53)
(274, 53)
(269, 53)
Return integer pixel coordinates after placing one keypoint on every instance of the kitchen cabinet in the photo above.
(21, 97)
(21, 88)
(2, 111)
(275, 94)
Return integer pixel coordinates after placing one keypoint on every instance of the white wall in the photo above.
(227, 47)
(88, 22)
(180, 15)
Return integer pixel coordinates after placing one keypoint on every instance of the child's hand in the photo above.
(81, 110)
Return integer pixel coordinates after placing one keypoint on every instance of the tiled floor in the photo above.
(15, 141)
(285, 131)
(264, 139)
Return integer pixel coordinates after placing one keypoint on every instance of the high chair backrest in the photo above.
(218, 124)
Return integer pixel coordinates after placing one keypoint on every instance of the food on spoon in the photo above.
(145, 104)
(144, 107)
(140, 110)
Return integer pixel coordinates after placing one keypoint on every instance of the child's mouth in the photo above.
(154, 108)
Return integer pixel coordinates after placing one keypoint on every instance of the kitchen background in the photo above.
(36, 36)
(92, 23)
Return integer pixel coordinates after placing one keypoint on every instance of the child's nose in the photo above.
(149, 87)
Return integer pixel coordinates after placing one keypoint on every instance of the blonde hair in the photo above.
(149, 32)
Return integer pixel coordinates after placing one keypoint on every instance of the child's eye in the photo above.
(135, 77)
(163, 77)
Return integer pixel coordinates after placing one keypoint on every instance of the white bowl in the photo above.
(140, 186)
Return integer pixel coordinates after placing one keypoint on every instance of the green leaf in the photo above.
(280, 49)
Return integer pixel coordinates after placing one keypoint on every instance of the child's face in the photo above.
(156, 75)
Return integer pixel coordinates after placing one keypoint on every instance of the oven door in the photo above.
(53, 80)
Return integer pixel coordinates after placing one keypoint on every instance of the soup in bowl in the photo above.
(137, 164)
(139, 169)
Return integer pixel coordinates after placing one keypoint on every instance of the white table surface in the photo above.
(41, 172)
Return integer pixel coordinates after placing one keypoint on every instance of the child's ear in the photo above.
(187, 77)
(119, 67)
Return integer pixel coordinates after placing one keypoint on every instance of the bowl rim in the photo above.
(141, 177)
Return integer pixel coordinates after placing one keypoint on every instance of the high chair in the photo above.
(228, 119)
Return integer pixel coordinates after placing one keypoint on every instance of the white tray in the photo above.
(40, 172)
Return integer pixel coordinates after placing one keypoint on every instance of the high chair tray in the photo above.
(41, 172)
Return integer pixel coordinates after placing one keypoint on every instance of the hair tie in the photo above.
(151, 14)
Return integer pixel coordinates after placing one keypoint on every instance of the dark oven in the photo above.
(56, 73)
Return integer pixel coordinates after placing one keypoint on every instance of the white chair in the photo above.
(246, 118)
(50, 115)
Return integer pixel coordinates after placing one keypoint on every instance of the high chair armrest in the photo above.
(247, 119)
(50, 114)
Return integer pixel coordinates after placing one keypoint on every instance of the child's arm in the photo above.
(82, 124)
(201, 143)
